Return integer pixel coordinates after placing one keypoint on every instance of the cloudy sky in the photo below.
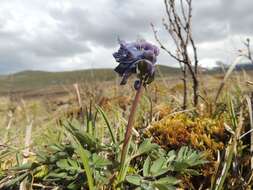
(59, 35)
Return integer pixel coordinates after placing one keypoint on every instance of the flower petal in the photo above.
(136, 56)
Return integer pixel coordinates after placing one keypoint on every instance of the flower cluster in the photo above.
(136, 57)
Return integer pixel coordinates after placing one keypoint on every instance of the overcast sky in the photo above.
(59, 35)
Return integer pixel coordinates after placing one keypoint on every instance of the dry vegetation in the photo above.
(210, 128)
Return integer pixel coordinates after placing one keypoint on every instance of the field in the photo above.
(130, 120)
(66, 131)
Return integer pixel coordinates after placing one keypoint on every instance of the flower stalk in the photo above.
(124, 161)
(128, 133)
(136, 58)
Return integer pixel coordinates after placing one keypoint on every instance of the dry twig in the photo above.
(178, 25)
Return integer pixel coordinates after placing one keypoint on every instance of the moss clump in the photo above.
(201, 133)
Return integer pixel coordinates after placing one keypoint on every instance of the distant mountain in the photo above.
(238, 67)
(246, 66)
(27, 80)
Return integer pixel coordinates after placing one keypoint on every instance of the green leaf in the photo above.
(146, 185)
(74, 186)
(56, 147)
(61, 175)
(180, 154)
(63, 164)
(74, 164)
(168, 181)
(83, 137)
(25, 166)
(164, 187)
(99, 161)
(85, 160)
(69, 165)
(146, 167)
(161, 172)
(171, 156)
(180, 166)
(134, 179)
(18, 158)
(146, 146)
(157, 165)
(186, 159)
(41, 171)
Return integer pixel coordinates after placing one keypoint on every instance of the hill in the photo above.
(245, 66)
(34, 80)
(238, 67)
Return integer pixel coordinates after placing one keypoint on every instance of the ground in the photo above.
(159, 116)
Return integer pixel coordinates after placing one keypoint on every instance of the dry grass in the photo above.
(160, 118)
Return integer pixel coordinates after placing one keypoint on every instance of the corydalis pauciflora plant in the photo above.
(136, 57)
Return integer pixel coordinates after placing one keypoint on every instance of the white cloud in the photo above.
(77, 34)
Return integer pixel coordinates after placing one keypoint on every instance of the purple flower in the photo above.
(136, 57)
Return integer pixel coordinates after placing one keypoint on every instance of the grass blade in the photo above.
(85, 161)
(249, 102)
(107, 123)
(230, 70)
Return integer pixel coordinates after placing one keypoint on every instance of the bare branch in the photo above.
(178, 25)
(163, 47)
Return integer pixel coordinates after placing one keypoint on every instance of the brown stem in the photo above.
(185, 87)
(195, 92)
(130, 123)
